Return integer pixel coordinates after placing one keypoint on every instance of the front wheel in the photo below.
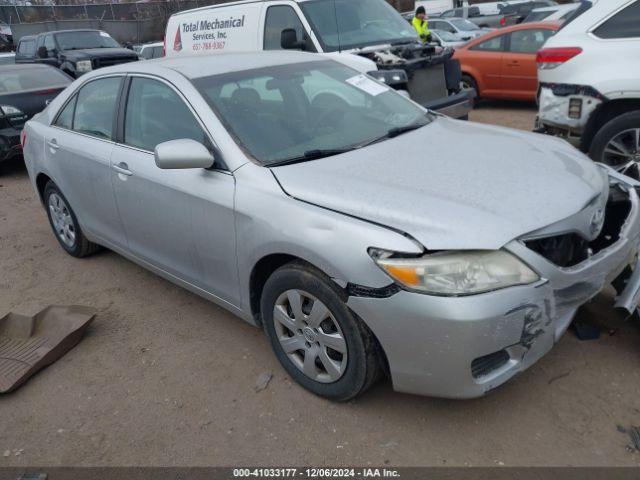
(315, 336)
(469, 83)
(617, 144)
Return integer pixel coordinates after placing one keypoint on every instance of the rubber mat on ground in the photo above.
(28, 344)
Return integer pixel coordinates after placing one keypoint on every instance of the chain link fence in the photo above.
(137, 22)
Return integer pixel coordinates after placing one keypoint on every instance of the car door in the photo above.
(78, 145)
(49, 44)
(484, 61)
(178, 221)
(519, 68)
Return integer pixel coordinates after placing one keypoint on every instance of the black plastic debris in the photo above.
(585, 331)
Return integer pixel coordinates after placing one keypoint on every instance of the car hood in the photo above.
(453, 184)
(91, 53)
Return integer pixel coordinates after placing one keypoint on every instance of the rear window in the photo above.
(31, 79)
(624, 24)
(538, 16)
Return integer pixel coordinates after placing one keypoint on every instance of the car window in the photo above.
(494, 44)
(529, 41)
(538, 16)
(624, 24)
(40, 78)
(147, 53)
(96, 106)
(49, 43)
(156, 114)
(278, 18)
(157, 52)
(65, 117)
(27, 47)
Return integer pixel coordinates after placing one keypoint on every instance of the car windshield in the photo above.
(309, 110)
(17, 79)
(463, 25)
(346, 24)
(445, 36)
(537, 16)
(83, 40)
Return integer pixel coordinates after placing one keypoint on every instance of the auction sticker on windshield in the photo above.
(367, 85)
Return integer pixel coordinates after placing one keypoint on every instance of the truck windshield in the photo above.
(83, 40)
(305, 111)
(347, 24)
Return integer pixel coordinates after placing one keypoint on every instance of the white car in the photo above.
(461, 28)
(558, 13)
(447, 39)
(149, 51)
(589, 74)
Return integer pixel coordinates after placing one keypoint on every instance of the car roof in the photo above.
(550, 25)
(71, 31)
(230, 4)
(196, 66)
(554, 8)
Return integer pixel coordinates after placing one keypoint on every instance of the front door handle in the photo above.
(122, 168)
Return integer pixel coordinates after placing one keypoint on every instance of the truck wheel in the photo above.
(318, 340)
(65, 224)
(469, 83)
(617, 144)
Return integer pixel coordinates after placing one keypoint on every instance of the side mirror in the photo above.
(289, 40)
(182, 154)
(42, 52)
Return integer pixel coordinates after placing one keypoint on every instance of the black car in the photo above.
(73, 51)
(24, 91)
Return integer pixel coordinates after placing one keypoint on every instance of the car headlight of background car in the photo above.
(456, 273)
(83, 66)
(390, 77)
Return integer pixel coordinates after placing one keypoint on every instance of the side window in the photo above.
(149, 105)
(278, 18)
(147, 53)
(494, 44)
(157, 52)
(447, 27)
(65, 117)
(96, 106)
(529, 41)
(49, 43)
(624, 24)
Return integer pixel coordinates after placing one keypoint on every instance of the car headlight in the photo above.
(390, 77)
(456, 273)
(10, 110)
(83, 66)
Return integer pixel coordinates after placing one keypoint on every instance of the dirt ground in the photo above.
(165, 378)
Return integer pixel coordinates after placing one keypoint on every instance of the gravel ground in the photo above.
(166, 378)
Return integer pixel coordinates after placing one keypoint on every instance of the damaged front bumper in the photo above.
(565, 110)
(463, 347)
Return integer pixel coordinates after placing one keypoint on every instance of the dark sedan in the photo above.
(24, 91)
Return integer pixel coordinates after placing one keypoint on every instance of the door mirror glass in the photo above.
(42, 52)
(182, 154)
(289, 40)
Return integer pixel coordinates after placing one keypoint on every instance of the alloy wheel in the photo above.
(310, 336)
(623, 153)
(62, 220)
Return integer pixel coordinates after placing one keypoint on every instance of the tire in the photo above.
(469, 82)
(622, 130)
(330, 373)
(65, 225)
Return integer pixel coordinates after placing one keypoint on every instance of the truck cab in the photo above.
(368, 35)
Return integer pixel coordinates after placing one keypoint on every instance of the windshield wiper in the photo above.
(394, 132)
(311, 155)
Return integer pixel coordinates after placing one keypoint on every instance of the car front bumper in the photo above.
(9, 143)
(456, 106)
(463, 347)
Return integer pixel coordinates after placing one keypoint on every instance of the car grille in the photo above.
(483, 366)
(569, 250)
(108, 61)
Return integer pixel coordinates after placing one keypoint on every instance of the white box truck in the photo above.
(367, 35)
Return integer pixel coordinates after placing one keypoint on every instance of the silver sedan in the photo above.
(366, 235)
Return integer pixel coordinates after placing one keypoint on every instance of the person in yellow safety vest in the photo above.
(419, 22)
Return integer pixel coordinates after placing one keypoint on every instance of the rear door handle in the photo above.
(122, 168)
(53, 144)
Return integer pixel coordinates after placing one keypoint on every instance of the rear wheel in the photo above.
(617, 144)
(469, 83)
(315, 336)
(65, 224)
